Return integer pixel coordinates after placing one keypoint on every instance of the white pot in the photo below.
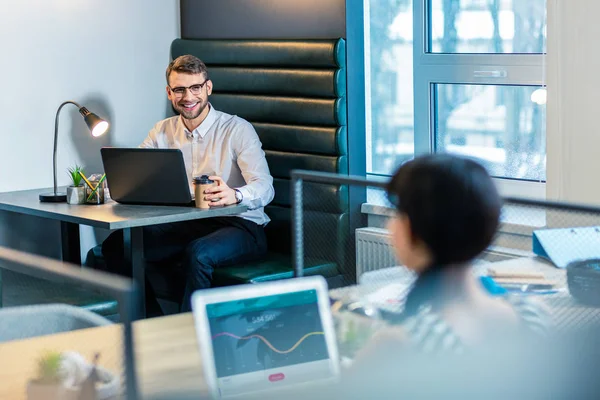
(76, 194)
(111, 386)
(44, 391)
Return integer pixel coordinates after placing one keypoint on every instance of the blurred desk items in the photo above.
(387, 288)
(566, 245)
(167, 359)
(50, 381)
(110, 215)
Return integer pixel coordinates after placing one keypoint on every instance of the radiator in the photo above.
(373, 250)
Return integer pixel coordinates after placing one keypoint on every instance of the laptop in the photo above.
(265, 339)
(146, 176)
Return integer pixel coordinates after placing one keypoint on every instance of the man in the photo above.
(226, 148)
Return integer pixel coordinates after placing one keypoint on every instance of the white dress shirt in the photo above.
(223, 145)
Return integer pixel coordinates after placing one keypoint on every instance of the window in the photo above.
(458, 76)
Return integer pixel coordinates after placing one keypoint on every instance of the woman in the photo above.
(448, 212)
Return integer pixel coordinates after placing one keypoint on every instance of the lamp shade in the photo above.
(97, 125)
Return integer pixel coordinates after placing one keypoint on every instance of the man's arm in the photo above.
(150, 141)
(258, 190)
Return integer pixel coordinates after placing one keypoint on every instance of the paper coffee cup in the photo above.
(202, 183)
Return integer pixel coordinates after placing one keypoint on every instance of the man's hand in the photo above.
(222, 194)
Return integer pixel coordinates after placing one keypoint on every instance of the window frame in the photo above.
(430, 69)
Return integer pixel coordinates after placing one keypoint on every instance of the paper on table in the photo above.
(390, 297)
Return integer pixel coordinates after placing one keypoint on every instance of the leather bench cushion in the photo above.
(326, 83)
(23, 290)
(282, 109)
(328, 141)
(274, 267)
(277, 53)
(315, 196)
(325, 234)
(282, 163)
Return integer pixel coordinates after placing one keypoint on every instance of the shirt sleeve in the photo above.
(150, 141)
(258, 191)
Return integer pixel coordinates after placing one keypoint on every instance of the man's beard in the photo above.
(191, 114)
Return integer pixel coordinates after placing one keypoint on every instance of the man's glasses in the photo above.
(194, 89)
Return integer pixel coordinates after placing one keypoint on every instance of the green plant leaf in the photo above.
(49, 367)
(75, 175)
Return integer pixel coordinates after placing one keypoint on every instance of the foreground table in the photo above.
(110, 215)
(167, 358)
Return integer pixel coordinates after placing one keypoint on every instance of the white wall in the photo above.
(573, 127)
(108, 55)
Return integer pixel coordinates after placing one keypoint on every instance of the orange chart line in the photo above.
(267, 342)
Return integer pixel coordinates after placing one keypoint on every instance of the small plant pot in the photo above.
(76, 194)
(49, 391)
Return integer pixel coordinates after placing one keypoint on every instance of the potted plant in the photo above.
(76, 192)
(49, 382)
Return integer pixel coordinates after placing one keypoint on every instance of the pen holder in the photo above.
(95, 196)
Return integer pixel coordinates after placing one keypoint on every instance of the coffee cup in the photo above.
(201, 183)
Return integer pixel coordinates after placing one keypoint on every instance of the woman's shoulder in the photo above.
(431, 333)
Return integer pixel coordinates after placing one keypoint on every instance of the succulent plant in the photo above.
(49, 368)
(75, 175)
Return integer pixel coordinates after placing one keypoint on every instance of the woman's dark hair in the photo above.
(452, 205)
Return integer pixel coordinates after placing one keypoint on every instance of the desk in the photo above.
(111, 215)
(167, 359)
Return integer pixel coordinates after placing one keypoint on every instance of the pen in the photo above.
(86, 180)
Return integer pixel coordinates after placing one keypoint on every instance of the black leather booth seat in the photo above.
(294, 94)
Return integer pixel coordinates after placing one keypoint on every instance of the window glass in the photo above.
(487, 26)
(502, 127)
(390, 136)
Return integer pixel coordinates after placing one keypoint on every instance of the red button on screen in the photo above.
(276, 377)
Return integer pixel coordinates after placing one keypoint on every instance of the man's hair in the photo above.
(187, 64)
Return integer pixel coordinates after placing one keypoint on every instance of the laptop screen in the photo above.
(268, 342)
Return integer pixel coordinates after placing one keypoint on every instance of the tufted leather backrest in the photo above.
(294, 93)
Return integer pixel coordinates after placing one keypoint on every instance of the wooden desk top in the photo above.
(167, 360)
(110, 215)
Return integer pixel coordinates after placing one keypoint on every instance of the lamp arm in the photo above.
(56, 139)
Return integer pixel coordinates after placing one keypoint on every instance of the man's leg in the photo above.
(161, 243)
(237, 241)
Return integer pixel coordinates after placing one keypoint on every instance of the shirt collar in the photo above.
(203, 128)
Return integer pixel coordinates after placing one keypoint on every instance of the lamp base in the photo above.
(53, 197)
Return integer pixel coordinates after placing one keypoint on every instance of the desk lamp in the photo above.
(97, 127)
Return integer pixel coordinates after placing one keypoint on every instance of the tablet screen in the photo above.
(268, 342)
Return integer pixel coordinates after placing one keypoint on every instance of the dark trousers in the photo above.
(200, 246)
